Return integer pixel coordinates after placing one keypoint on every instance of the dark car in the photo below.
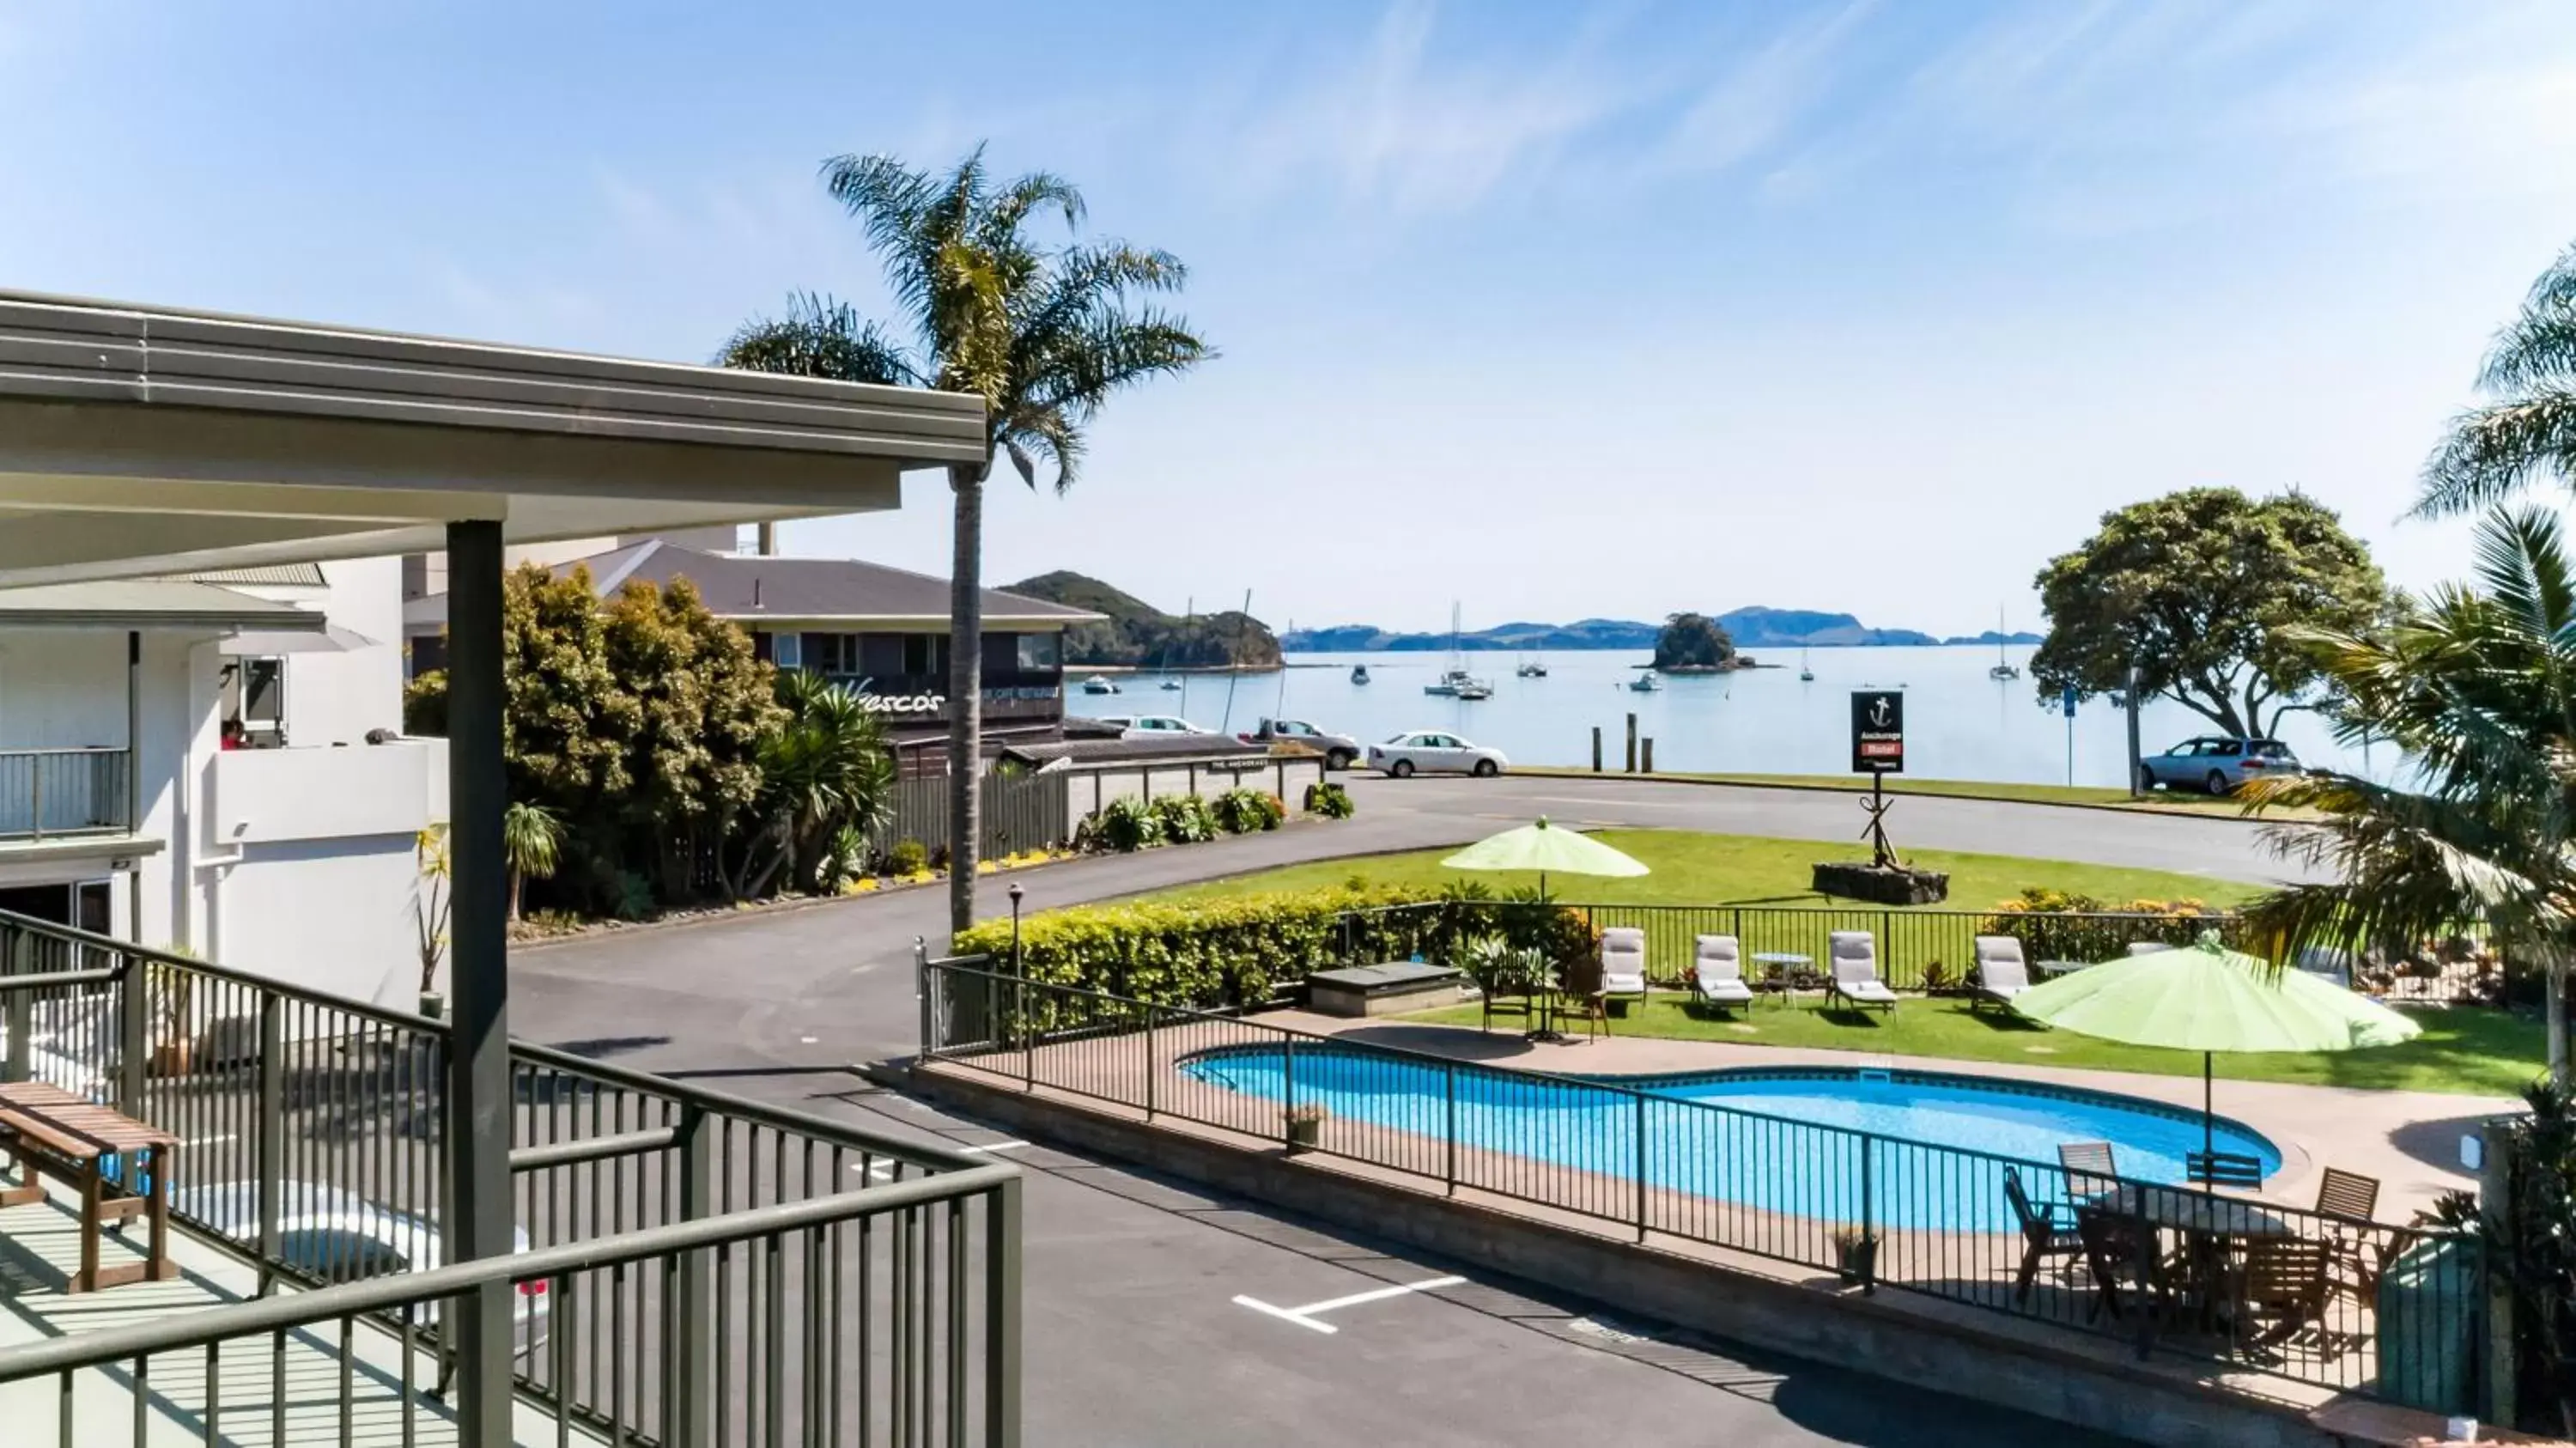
(1340, 751)
(2217, 764)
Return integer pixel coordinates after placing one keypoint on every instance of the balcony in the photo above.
(693, 1268)
(50, 794)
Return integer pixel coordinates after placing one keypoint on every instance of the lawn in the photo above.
(1703, 869)
(2165, 802)
(2477, 1052)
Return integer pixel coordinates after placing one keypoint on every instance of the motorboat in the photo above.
(1172, 686)
(1096, 684)
(1532, 669)
(1359, 673)
(1646, 682)
(1459, 684)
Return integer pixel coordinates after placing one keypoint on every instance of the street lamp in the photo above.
(1016, 892)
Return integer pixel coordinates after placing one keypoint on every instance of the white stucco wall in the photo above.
(328, 915)
(335, 698)
(61, 688)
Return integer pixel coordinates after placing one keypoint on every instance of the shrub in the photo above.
(1242, 811)
(1239, 951)
(908, 857)
(1329, 801)
(1126, 825)
(1184, 819)
(2053, 925)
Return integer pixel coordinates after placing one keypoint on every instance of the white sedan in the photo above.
(1151, 726)
(1429, 749)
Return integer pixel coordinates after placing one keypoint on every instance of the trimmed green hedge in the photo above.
(1245, 951)
(2053, 925)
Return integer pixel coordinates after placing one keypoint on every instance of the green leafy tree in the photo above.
(1044, 334)
(2197, 589)
(2528, 430)
(704, 706)
(532, 843)
(569, 726)
(1693, 641)
(2478, 686)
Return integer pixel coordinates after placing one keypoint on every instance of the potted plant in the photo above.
(1855, 1256)
(1305, 1127)
(172, 1017)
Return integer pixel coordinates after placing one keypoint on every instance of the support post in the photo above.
(1596, 749)
(2129, 697)
(1002, 1316)
(1631, 766)
(2495, 1200)
(21, 1006)
(477, 1139)
(133, 1035)
(1646, 755)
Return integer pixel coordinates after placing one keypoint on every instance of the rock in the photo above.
(1854, 880)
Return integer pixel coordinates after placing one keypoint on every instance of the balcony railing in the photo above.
(50, 793)
(714, 1270)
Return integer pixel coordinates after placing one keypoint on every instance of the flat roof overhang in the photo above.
(137, 440)
(150, 603)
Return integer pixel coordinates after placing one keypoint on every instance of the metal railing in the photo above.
(2340, 1303)
(882, 1315)
(45, 793)
(297, 1111)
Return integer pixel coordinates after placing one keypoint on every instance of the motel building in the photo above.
(881, 632)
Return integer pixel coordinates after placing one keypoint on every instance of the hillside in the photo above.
(1138, 635)
(1753, 627)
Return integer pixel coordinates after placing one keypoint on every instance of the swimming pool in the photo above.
(1899, 1148)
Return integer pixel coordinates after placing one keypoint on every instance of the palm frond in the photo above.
(820, 337)
(2492, 452)
(2537, 349)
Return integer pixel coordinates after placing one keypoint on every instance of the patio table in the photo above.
(2209, 1227)
(1780, 964)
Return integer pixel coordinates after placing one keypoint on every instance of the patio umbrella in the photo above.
(2208, 998)
(1544, 847)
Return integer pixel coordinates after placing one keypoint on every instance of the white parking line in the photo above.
(1305, 1316)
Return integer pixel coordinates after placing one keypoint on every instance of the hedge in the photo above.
(1243, 951)
(2053, 925)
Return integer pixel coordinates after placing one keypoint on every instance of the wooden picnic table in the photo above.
(50, 1130)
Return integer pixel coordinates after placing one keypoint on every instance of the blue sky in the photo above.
(1554, 310)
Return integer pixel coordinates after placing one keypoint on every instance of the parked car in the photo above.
(2217, 764)
(1430, 749)
(1340, 751)
(1150, 726)
(335, 1235)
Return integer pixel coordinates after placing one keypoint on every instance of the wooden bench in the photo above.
(2361, 1423)
(71, 1139)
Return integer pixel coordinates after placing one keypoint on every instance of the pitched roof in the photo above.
(745, 588)
(148, 603)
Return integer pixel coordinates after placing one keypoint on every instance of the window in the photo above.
(1040, 653)
(925, 654)
(787, 651)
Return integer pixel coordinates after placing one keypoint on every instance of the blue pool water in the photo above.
(1925, 1150)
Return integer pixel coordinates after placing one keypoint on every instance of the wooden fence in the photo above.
(1022, 811)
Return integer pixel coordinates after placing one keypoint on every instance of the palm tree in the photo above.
(1044, 335)
(2478, 686)
(531, 843)
(2529, 430)
(827, 771)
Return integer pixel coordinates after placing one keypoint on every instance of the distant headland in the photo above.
(1750, 628)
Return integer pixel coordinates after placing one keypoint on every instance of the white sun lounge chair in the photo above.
(1855, 970)
(1623, 962)
(2001, 972)
(1717, 971)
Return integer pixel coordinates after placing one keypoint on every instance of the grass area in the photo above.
(2470, 1051)
(1704, 869)
(2163, 802)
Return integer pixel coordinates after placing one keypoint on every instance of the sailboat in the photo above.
(1645, 683)
(1455, 682)
(2004, 668)
(1806, 675)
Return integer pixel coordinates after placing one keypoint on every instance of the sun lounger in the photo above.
(1717, 971)
(2001, 972)
(1623, 962)
(1855, 970)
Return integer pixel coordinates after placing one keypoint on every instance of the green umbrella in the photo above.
(1544, 847)
(2208, 998)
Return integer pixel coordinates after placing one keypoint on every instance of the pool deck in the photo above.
(2409, 1140)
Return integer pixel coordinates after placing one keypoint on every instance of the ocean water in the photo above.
(1959, 723)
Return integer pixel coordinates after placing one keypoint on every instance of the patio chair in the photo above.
(1855, 970)
(2120, 1254)
(2350, 1201)
(2234, 1169)
(2090, 1168)
(1579, 992)
(2047, 1230)
(1623, 963)
(2001, 972)
(1717, 971)
(2281, 1291)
